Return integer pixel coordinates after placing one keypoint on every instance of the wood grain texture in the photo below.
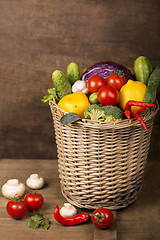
(139, 221)
(37, 37)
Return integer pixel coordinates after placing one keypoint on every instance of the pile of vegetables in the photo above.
(106, 91)
(18, 206)
(17, 209)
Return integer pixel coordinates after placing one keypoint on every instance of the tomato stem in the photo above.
(119, 73)
(15, 199)
(34, 192)
(98, 216)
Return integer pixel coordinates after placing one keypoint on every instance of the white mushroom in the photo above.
(13, 188)
(35, 182)
(68, 210)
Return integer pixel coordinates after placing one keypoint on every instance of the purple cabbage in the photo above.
(104, 69)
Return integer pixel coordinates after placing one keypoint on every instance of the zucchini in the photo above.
(153, 83)
(142, 69)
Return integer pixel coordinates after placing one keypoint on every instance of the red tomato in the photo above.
(95, 82)
(16, 208)
(34, 201)
(116, 80)
(108, 95)
(102, 218)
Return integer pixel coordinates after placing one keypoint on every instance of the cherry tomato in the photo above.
(34, 201)
(108, 95)
(16, 208)
(102, 218)
(116, 80)
(95, 82)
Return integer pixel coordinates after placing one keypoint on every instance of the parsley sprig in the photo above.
(52, 94)
(38, 220)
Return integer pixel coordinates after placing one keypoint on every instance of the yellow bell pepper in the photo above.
(132, 90)
(75, 102)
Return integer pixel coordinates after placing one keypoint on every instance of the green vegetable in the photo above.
(61, 84)
(103, 113)
(52, 94)
(153, 83)
(93, 98)
(73, 73)
(84, 70)
(69, 118)
(112, 113)
(95, 112)
(142, 69)
(38, 220)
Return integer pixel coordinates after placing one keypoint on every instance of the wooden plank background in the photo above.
(37, 37)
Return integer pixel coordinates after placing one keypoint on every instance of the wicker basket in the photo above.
(102, 164)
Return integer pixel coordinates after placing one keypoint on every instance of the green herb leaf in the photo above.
(38, 213)
(38, 220)
(52, 91)
(52, 94)
(69, 118)
(33, 224)
(45, 224)
(47, 98)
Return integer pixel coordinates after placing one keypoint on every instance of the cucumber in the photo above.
(142, 69)
(153, 83)
(61, 84)
(73, 73)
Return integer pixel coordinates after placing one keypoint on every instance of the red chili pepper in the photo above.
(142, 109)
(136, 115)
(128, 112)
(131, 103)
(75, 220)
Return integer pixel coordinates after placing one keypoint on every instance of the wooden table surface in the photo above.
(139, 221)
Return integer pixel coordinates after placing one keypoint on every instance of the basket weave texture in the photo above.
(101, 164)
